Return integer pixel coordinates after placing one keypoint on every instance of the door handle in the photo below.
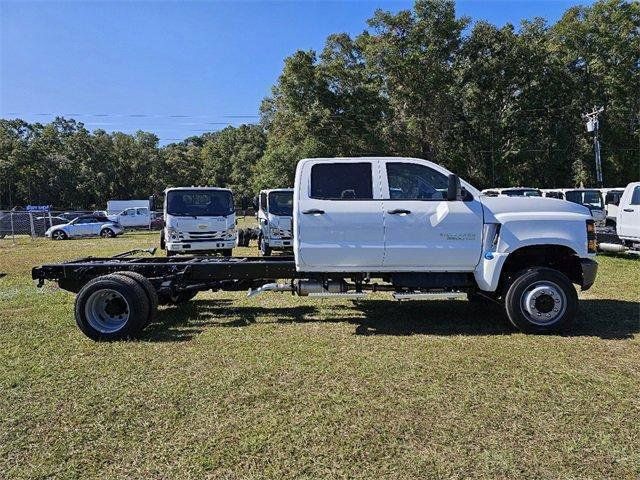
(313, 211)
(399, 211)
(627, 210)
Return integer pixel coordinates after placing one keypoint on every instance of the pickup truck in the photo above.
(627, 225)
(376, 224)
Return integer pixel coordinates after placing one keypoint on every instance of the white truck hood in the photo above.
(533, 207)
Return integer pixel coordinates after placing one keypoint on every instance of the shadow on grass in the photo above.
(607, 319)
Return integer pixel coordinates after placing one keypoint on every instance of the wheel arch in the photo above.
(558, 257)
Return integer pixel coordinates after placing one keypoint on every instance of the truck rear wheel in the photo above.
(111, 307)
(149, 290)
(541, 300)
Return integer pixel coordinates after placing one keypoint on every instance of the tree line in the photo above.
(498, 105)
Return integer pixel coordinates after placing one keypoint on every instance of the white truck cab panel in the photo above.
(379, 214)
(199, 219)
(275, 210)
(338, 219)
(628, 220)
(383, 214)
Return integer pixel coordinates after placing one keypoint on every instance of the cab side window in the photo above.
(342, 181)
(412, 181)
(263, 201)
(635, 199)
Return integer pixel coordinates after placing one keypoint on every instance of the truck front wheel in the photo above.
(541, 300)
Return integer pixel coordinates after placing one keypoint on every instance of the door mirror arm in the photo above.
(454, 190)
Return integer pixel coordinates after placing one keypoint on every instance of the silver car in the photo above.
(85, 226)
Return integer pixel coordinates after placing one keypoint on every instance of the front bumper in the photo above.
(199, 246)
(589, 270)
(280, 243)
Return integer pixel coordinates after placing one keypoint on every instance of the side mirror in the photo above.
(454, 190)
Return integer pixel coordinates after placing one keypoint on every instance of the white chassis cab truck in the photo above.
(627, 223)
(376, 224)
(275, 220)
(198, 220)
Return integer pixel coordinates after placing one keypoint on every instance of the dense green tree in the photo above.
(499, 105)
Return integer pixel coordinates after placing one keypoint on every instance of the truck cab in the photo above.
(612, 198)
(275, 220)
(198, 220)
(628, 220)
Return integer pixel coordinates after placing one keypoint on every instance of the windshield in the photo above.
(199, 203)
(589, 198)
(281, 203)
(522, 192)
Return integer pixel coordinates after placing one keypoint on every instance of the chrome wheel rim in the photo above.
(107, 311)
(543, 303)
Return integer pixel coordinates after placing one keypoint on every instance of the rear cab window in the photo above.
(342, 181)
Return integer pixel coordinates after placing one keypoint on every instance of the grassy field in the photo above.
(280, 387)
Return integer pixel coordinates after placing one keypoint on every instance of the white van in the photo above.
(198, 220)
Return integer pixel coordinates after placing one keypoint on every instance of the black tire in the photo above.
(227, 252)
(162, 244)
(58, 235)
(241, 237)
(107, 233)
(123, 296)
(176, 299)
(541, 300)
(170, 253)
(149, 290)
(265, 250)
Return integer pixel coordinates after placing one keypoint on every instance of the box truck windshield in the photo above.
(199, 203)
(281, 203)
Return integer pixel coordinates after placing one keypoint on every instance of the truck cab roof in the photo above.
(170, 189)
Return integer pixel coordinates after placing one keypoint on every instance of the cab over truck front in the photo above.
(399, 225)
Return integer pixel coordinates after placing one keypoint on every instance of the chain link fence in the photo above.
(35, 224)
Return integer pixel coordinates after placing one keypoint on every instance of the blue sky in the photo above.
(176, 68)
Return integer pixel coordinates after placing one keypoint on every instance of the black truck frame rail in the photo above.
(172, 274)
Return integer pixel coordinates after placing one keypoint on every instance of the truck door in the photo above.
(629, 214)
(339, 216)
(424, 231)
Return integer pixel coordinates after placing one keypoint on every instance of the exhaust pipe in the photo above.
(269, 287)
(612, 247)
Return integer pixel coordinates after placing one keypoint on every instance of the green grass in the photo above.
(280, 387)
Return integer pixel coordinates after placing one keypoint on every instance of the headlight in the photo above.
(276, 232)
(172, 233)
(229, 233)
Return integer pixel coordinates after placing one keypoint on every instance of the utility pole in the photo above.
(593, 127)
